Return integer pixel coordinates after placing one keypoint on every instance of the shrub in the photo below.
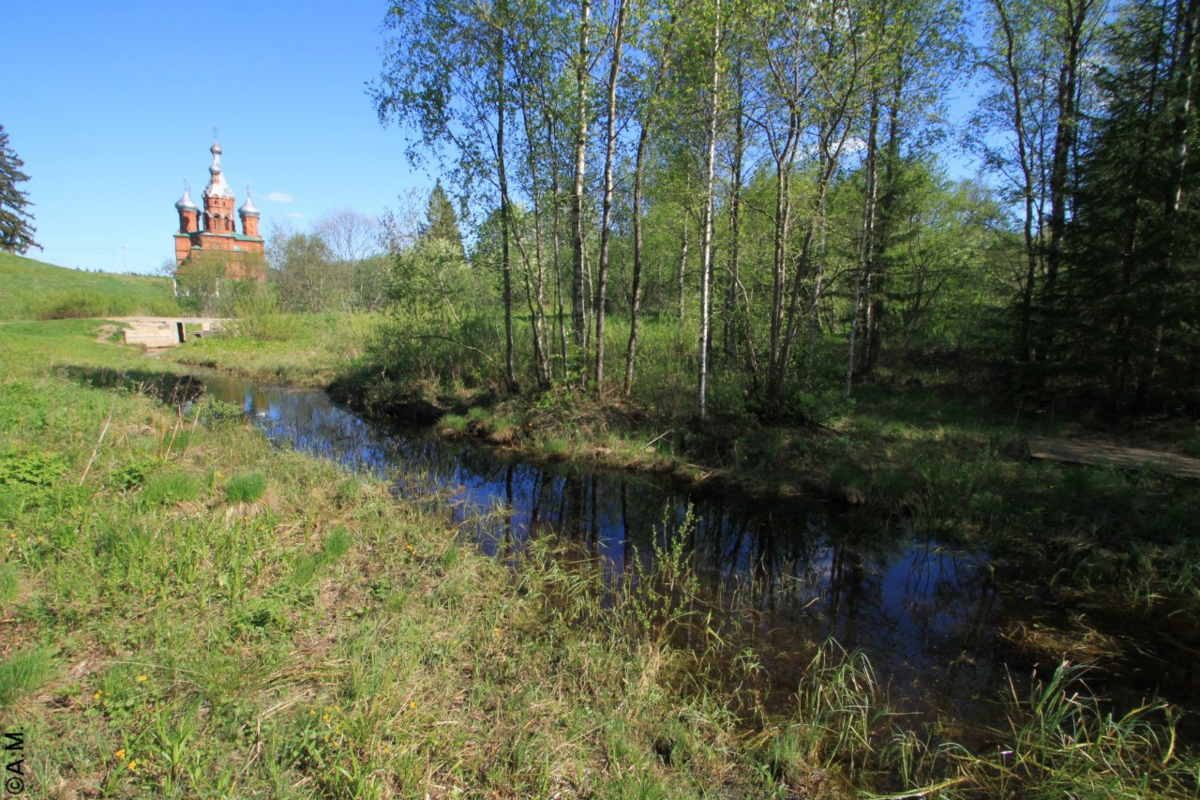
(73, 305)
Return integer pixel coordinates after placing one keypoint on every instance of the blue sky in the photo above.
(112, 104)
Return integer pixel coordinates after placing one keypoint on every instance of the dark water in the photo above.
(930, 617)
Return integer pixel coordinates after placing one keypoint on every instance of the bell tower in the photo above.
(218, 197)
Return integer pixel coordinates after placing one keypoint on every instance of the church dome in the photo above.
(185, 203)
(248, 209)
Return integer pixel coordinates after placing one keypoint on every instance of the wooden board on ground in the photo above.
(1111, 455)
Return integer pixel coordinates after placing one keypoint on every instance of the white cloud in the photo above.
(280, 197)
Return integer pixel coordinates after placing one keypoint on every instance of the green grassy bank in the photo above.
(30, 289)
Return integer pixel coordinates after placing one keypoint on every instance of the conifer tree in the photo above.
(441, 223)
(16, 223)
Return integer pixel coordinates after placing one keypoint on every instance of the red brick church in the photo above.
(218, 241)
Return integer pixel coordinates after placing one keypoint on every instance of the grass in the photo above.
(31, 289)
(171, 487)
(333, 641)
(300, 349)
(24, 671)
(246, 488)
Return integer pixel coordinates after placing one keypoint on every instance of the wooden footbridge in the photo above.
(168, 331)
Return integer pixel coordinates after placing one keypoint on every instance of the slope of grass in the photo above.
(32, 289)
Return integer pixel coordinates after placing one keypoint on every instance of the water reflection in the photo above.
(926, 616)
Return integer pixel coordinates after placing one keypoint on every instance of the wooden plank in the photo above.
(1111, 455)
(152, 337)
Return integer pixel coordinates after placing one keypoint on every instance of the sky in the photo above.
(112, 105)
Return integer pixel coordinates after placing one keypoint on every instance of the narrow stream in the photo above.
(931, 618)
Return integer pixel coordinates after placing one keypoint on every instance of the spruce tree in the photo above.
(1134, 284)
(16, 223)
(441, 223)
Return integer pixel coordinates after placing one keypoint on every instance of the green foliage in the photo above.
(1131, 297)
(133, 473)
(30, 468)
(213, 411)
(245, 487)
(441, 222)
(260, 317)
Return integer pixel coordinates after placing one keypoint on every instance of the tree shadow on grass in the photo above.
(165, 387)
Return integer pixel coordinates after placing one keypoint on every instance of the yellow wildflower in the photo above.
(142, 678)
(132, 765)
(120, 754)
(412, 704)
(96, 696)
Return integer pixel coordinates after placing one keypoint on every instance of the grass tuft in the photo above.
(246, 487)
(171, 487)
(25, 671)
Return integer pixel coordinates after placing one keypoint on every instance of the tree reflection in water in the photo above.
(925, 615)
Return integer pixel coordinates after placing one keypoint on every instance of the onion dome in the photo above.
(185, 203)
(217, 187)
(248, 209)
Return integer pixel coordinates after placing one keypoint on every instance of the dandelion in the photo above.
(142, 678)
(120, 754)
(132, 766)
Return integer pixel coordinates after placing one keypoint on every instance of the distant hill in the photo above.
(31, 289)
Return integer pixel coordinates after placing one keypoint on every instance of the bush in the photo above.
(260, 317)
(73, 305)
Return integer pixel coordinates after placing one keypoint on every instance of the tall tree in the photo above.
(16, 222)
(1132, 294)
(610, 146)
(444, 77)
(713, 20)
